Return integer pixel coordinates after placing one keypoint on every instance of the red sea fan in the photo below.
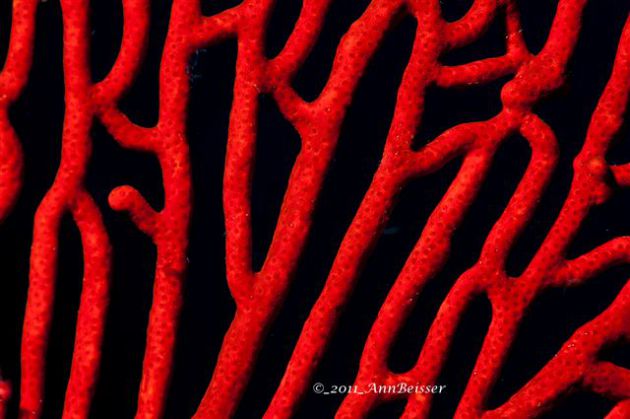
(526, 77)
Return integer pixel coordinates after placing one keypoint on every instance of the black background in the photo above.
(208, 308)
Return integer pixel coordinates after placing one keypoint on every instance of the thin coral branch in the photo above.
(580, 352)
(576, 271)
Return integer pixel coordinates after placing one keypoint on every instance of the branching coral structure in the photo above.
(259, 294)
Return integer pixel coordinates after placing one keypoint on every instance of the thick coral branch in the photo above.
(13, 77)
(92, 307)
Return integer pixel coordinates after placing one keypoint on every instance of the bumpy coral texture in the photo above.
(259, 295)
